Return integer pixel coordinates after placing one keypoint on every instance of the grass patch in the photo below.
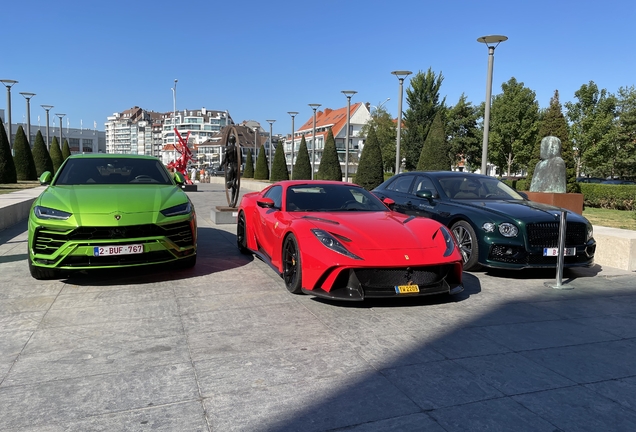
(625, 219)
(20, 185)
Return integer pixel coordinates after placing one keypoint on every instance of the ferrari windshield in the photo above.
(331, 197)
(110, 171)
(472, 187)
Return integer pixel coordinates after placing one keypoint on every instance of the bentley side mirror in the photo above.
(424, 193)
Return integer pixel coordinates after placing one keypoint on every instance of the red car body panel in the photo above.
(383, 239)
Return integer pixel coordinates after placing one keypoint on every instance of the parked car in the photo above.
(589, 180)
(495, 226)
(336, 240)
(216, 171)
(110, 211)
(618, 181)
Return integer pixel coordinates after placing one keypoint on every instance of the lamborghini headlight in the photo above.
(49, 213)
(508, 230)
(181, 209)
(333, 243)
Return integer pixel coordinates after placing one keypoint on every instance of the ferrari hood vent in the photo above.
(319, 219)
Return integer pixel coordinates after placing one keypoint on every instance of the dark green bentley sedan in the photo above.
(110, 211)
(494, 225)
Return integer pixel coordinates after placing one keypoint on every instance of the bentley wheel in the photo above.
(241, 235)
(292, 270)
(467, 242)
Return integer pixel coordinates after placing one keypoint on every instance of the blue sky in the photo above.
(261, 59)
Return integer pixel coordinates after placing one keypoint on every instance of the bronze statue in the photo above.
(232, 163)
(549, 174)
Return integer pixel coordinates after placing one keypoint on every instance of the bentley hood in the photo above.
(528, 211)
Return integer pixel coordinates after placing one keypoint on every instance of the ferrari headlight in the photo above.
(49, 213)
(508, 230)
(181, 209)
(333, 243)
(450, 243)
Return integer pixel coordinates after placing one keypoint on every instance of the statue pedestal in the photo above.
(570, 201)
(189, 187)
(224, 215)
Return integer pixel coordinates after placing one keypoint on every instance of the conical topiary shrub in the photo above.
(370, 173)
(279, 165)
(302, 166)
(41, 156)
(66, 150)
(23, 158)
(249, 165)
(261, 172)
(7, 167)
(434, 154)
(330, 168)
(56, 155)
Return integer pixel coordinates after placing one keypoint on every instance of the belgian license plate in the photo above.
(407, 289)
(118, 250)
(555, 251)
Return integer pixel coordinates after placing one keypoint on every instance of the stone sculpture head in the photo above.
(550, 147)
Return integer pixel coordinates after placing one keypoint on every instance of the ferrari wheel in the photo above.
(292, 270)
(467, 242)
(241, 235)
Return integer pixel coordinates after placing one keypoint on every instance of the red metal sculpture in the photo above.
(185, 155)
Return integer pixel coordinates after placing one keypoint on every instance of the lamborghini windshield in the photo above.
(111, 171)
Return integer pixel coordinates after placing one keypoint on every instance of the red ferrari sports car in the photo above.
(337, 240)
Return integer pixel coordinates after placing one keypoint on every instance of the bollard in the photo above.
(561, 254)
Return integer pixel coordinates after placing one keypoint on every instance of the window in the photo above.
(422, 182)
(276, 194)
(401, 184)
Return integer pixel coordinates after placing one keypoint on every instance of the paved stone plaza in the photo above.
(224, 347)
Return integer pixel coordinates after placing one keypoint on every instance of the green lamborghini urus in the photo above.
(110, 211)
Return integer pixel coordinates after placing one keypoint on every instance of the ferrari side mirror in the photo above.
(265, 203)
(389, 203)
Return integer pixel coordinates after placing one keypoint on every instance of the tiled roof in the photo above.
(336, 119)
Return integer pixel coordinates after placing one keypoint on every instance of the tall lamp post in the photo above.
(60, 116)
(47, 108)
(271, 123)
(292, 114)
(348, 94)
(313, 141)
(491, 42)
(9, 83)
(28, 97)
(400, 74)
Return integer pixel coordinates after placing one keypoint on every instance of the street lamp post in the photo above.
(60, 116)
(489, 41)
(348, 94)
(28, 97)
(271, 123)
(313, 106)
(377, 108)
(9, 83)
(292, 114)
(47, 108)
(400, 74)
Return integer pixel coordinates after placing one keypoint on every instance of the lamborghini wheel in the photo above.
(292, 270)
(241, 235)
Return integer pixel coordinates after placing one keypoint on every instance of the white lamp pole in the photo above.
(47, 108)
(292, 114)
(313, 106)
(28, 97)
(60, 116)
(400, 74)
(9, 83)
(271, 123)
(348, 94)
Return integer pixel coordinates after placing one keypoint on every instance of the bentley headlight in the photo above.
(181, 209)
(590, 232)
(508, 230)
(49, 213)
(333, 243)
(448, 238)
(488, 227)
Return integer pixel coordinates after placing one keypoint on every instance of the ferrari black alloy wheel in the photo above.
(241, 239)
(292, 271)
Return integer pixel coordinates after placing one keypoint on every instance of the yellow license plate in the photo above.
(407, 289)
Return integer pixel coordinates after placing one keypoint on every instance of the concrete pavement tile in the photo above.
(317, 405)
(589, 363)
(241, 299)
(497, 415)
(107, 314)
(93, 360)
(512, 313)
(135, 294)
(182, 416)
(412, 422)
(578, 308)
(513, 373)
(623, 326)
(544, 334)
(465, 342)
(25, 304)
(579, 409)
(21, 289)
(28, 321)
(440, 384)
(283, 366)
(55, 402)
(622, 391)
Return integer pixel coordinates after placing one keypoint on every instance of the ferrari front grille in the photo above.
(391, 277)
(546, 234)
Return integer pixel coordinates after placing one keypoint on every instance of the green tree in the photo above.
(370, 172)
(249, 165)
(514, 125)
(262, 170)
(7, 166)
(435, 151)
(424, 103)
(56, 155)
(464, 136)
(41, 156)
(553, 123)
(279, 165)
(386, 132)
(329, 168)
(66, 150)
(625, 150)
(302, 167)
(591, 119)
(23, 158)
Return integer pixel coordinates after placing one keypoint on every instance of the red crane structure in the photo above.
(185, 155)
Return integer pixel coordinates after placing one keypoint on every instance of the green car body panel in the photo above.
(110, 215)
